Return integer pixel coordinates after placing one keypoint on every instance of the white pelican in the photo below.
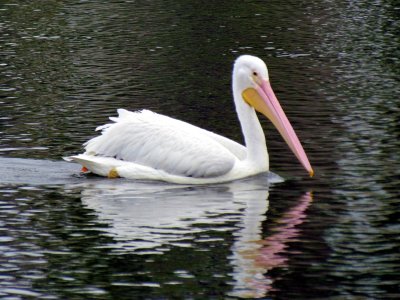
(146, 145)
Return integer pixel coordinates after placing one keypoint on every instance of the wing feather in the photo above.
(164, 143)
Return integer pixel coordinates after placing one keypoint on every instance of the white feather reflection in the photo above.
(150, 218)
(146, 215)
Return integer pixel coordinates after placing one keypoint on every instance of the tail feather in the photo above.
(96, 164)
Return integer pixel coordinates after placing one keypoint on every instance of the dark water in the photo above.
(67, 65)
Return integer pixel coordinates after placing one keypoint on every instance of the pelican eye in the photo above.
(255, 73)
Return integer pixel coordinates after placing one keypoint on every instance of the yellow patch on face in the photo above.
(249, 95)
(253, 98)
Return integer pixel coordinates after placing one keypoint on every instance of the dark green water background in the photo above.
(65, 66)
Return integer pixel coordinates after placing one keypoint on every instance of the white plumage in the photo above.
(164, 143)
(146, 145)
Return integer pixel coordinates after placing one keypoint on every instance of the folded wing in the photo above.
(163, 143)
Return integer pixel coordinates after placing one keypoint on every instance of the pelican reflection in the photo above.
(145, 217)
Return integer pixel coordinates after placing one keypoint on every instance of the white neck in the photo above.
(253, 133)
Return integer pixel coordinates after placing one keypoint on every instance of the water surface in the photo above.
(66, 66)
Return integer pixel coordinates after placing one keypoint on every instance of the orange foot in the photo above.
(84, 170)
(113, 173)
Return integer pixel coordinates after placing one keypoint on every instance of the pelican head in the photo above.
(252, 86)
